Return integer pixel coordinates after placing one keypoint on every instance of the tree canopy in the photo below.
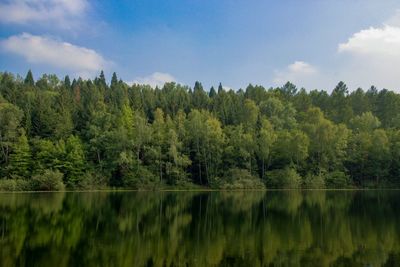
(99, 134)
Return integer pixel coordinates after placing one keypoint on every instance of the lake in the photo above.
(272, 228)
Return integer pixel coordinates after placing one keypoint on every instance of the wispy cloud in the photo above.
(155, 79)
(63, 13)
(299, 72)
(53, 52)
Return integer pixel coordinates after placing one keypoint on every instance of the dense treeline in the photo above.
(88, 133)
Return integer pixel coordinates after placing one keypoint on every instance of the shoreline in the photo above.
(200, 190)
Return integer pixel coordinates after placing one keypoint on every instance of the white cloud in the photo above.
(382, 42)
(368, 57)
(155, 79)
(394, 20)
(62, 12)
(373, 57)
(300, 73)
(55, 53)
(301, 67)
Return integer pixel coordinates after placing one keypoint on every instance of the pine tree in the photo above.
(220, 88)
(67, 82)
(212, 92)
(101, 81)
(200, 97)
(29, 79)
(114, 81)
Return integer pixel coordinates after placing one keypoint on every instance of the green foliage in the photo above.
(10, 120)
(235, 179)
(250, 114)
(178, 162)
(312, 181)
(239, 149)
(67, 82)
(265, 143)
(74, 161)
(99, 134)
(141, 178)
(92, 181)
(8, 185)
(290, 147)
(337, 179)
(369, 157)
(200, 98)
(48, 180)
(282, 115)
(286, 178)
(328, 142)
(365, 122)
(205, 142)
(29, 79)
(20, 159)
(340, 109)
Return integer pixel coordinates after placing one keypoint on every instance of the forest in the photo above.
(58, 134)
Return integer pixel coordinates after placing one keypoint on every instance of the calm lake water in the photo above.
(278, 228)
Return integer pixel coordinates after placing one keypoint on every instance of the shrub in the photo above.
(7, 185)
(15, 185)
(286, 178)
(92, 181)
(49, 180)
(337, 179)
(140, 179)
(312, 181)
(238, 179)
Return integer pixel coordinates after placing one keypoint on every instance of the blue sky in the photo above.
(313, 43)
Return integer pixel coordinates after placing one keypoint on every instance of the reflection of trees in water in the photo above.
(41, 202)
(289, 228)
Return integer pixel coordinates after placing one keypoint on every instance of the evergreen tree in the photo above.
(29, 79)
(220, 88)
(67, 82)
(200, 97)
(142, 137)
(101, 80)
(340, 110)
(212, 92)
(114, 81)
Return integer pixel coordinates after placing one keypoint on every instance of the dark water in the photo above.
(312, 228)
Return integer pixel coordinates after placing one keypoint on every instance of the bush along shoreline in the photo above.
(63, 134)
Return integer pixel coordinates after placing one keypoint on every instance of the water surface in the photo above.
(287, 228)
